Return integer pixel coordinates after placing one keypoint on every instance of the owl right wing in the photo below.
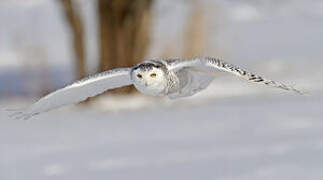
(78, 91)
(208, 63)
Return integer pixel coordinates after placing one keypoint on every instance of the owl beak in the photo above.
(146, 84)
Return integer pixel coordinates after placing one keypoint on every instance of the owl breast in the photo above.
(176, 81)
(151, 90)
(187, 83)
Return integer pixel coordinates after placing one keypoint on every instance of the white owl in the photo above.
(174, 78)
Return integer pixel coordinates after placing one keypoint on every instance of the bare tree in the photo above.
(124, 33)
(76, 25)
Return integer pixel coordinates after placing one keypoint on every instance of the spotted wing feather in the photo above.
(208, 62)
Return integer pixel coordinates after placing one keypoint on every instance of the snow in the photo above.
(245, 137)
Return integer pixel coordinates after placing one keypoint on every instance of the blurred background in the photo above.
(233, 130)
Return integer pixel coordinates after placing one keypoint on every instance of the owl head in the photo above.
(150, 78)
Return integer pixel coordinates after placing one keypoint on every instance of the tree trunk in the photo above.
(75, 22)
(195, 32)
(124, 33)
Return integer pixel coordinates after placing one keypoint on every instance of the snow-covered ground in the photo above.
(239, 138)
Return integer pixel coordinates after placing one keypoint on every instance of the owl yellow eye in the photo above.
(139, 75)
(153, 75)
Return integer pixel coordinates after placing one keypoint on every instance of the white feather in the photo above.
(79, 91)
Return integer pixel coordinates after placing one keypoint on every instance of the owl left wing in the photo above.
(208, 63)
(78, 91)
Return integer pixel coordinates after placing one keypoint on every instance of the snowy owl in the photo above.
(173, 78)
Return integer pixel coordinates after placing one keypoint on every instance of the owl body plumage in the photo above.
(180, 83)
